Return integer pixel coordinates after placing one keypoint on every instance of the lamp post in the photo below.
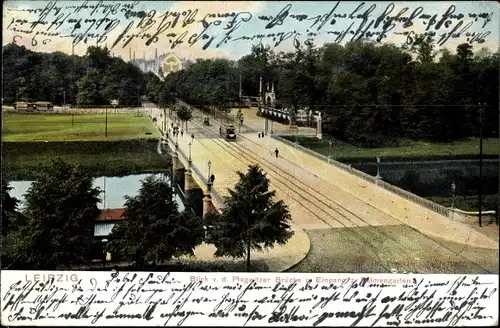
(378, 169)
(329, 151)
(209, 166)
(453, 187)
(189, 144)
(64, 99)
(164, 121)
(138, 98)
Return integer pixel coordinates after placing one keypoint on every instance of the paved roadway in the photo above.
(353, 226)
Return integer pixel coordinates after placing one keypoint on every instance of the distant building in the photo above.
(161, 65)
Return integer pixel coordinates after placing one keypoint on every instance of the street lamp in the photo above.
(453, 186)
(329, 151)
(209, 166)
(378, 169)
(189, 144)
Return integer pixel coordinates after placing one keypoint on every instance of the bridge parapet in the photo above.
(197, 175)
(440, 209)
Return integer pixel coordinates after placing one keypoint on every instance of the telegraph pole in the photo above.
(240, 94)
(481, 106)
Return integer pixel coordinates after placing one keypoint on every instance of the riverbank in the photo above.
(467, 203)
(23, 160)
(405, 151)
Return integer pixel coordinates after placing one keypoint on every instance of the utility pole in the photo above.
(240, 93)
(106, 124)
(481, 107)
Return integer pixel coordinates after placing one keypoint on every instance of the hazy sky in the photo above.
(486, 23)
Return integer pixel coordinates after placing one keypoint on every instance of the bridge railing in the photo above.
(200, 175)
(401, 192)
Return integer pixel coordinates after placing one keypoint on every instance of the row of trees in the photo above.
(94, 79)
(55, 228)
(369, 93)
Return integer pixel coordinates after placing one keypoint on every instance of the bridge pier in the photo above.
(175, 166)
(319, 127)
(208, 206)
(177, 171)
(193, 194)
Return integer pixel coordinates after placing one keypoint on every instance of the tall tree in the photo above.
(184, 114)
(251, 218)
(61, 206)
(154, 230)
(90, 89)
(9, 208)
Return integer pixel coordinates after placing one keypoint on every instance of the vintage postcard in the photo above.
(230, 163)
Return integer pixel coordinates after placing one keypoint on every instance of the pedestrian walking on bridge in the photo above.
(220, 131)
(276, 152)
(182, 132)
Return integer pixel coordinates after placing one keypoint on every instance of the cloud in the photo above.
(183, 50)
(164, 43)
(203, 8)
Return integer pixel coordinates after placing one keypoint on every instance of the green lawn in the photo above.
(406, 150)
(78, 127)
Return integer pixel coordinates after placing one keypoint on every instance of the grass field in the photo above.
(78, 127)
(406, 150)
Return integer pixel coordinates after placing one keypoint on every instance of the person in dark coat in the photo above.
(276, 152)
(212, 178)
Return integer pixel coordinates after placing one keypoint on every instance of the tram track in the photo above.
(371, 237)
(300, 198)
(241, 153)
(309, 201)
(402, 255)
(341, 190)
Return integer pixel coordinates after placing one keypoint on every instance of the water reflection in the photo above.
(113, 189)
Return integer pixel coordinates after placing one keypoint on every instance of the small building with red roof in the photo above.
(104, 223)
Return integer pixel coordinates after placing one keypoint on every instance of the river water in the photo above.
(113, 189)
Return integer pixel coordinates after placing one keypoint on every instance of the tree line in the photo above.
(90, 80)
(55, 228)
(370, 94)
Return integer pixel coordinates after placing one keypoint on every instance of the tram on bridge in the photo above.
(229, 132)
